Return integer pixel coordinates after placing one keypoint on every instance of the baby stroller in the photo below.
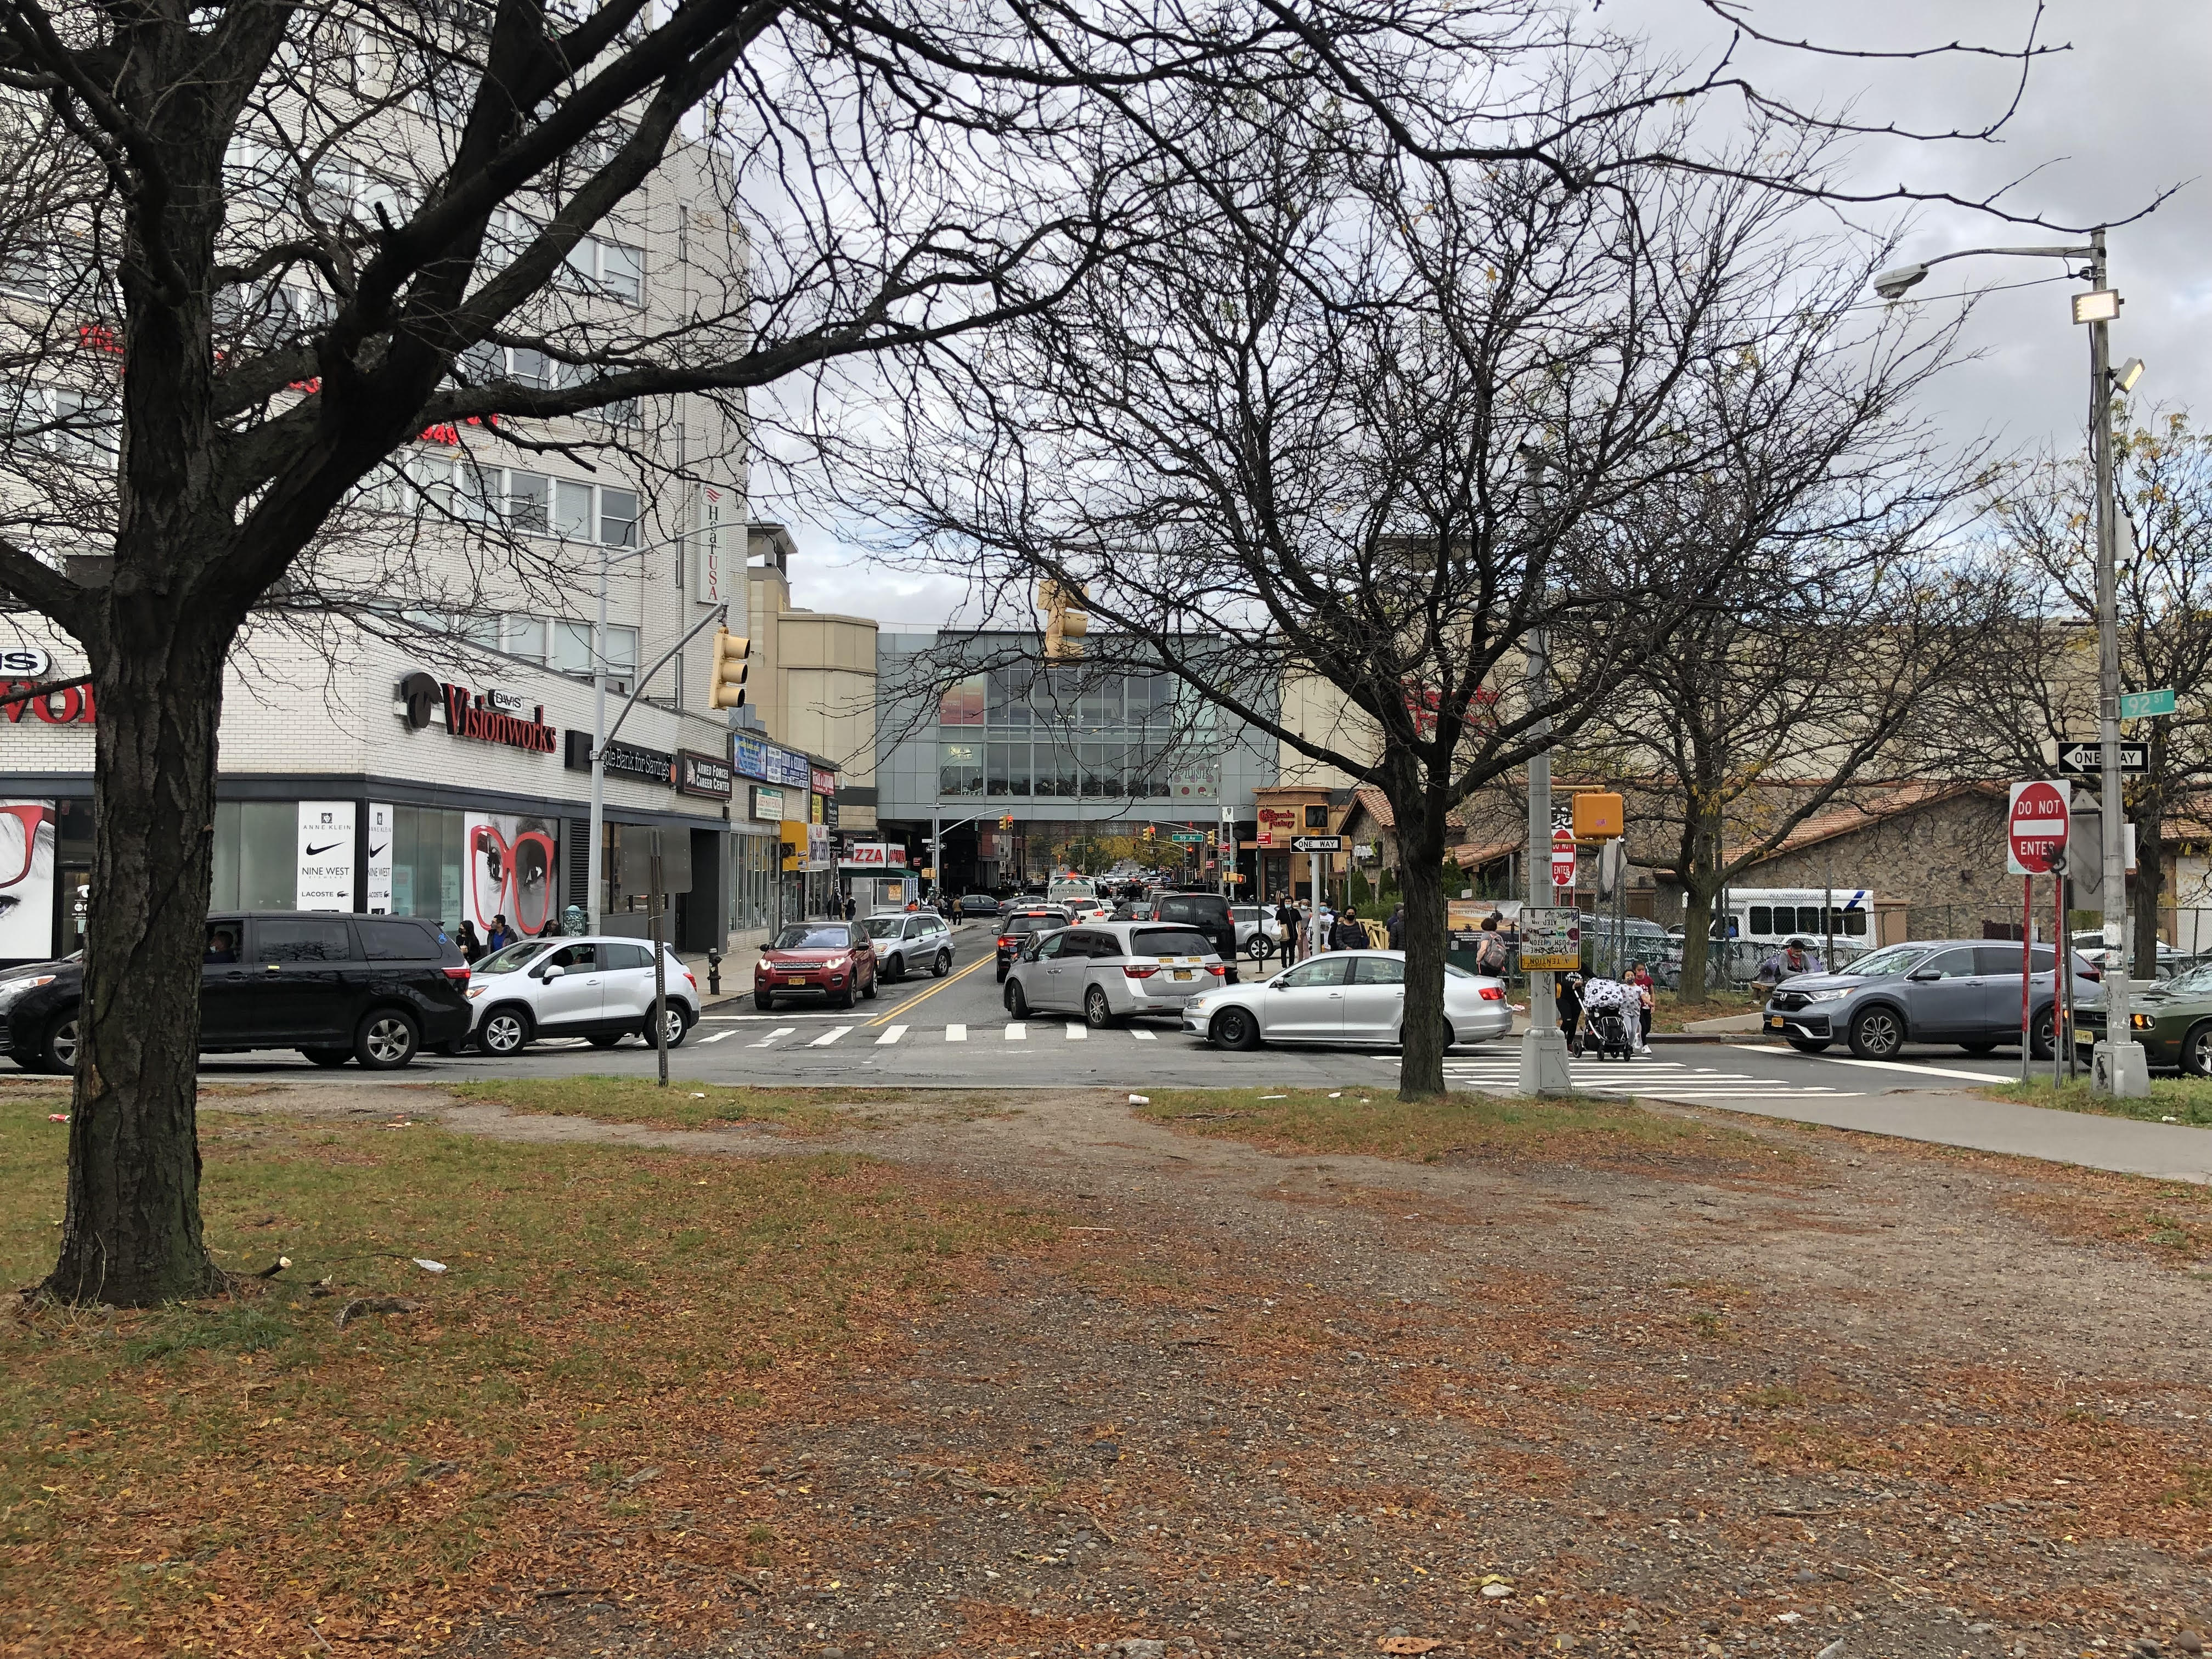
(1611, 1010)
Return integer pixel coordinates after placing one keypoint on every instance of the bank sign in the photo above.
(768, 763)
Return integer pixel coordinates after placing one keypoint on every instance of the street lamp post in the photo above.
(1544, 1065)
(2117, 1065)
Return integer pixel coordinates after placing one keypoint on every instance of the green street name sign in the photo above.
(2143, 705)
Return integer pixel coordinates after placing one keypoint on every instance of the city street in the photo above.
(955, 1031)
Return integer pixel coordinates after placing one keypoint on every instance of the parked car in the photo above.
(1349, 997)
(337, 988)
(2170, 961)
(1019, 927)
(915, 940)
(598, 986)
(1209, 914)
(1966, 992)
(1255, 930)
(833, 960)
(2173, 1021)
(977, 904)
(1110, 970)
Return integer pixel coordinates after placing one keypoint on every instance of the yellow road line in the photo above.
(942, 985)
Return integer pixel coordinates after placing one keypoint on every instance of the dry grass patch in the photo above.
(573, 1404)
(685, 1105)
(1461, 1126)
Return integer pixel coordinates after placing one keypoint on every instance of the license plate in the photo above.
(1774, 1022)
(1183, 973)
(795, 979)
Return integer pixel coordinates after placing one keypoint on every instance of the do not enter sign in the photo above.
(2035, 828)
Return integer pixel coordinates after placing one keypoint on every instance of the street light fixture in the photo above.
(2118, 1067)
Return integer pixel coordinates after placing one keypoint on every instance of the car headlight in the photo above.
(2141, 1022)
(15, 990)
(1815, 998)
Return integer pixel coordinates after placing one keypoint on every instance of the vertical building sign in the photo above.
(27, 880)
(717, 521)
(326, 856)
(379, 858)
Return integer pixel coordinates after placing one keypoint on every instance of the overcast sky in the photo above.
(2103, 128)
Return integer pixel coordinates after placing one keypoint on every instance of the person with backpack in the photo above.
(1492, 957)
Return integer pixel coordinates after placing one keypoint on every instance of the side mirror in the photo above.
(1923, 975)
(553, 973)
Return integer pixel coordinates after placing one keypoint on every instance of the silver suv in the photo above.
(1109, 970)
(1961, 991)
(910, 942)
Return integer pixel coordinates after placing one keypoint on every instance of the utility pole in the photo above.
(1544, 1068)
(2118, 1066)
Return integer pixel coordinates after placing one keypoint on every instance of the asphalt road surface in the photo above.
(955, 1032)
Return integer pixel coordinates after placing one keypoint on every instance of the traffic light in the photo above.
(1005, 821)
(733, 656)
(1065, 619)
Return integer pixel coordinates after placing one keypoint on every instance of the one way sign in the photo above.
(2087, 759)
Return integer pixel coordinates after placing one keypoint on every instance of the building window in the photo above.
(1007, 769)
(617, 517)
(599, 266)
(959, 769)
(962, 703)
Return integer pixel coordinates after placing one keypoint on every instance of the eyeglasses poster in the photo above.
(26, 879)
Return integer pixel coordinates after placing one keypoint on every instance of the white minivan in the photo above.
(599, 988)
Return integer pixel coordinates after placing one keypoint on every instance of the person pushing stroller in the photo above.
(1611, 1013)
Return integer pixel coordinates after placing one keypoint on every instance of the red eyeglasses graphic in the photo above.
(19, 839)
(516, 877)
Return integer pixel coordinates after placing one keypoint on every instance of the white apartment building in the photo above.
(435, 761)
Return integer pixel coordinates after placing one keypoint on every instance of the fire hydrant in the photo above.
(713, 973)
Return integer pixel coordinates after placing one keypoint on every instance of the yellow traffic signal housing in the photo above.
(1065, 620)
(1598, 817)
(733, 658)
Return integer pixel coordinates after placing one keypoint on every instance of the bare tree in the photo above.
(2041, 690)
(1822, 655)
(1380, 423)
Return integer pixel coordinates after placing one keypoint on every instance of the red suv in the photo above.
(830, 959)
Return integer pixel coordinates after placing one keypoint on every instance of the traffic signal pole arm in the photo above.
(720, 614)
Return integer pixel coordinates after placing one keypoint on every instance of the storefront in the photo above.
(381, 786)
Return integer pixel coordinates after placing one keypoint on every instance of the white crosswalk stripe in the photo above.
(780, 1031)
(1146, 1037)
(1647, 1077)
(891, 1034)
(1076, 1033)
(828, 1037)
(1016, 1032)
(955, 1034)
(716, 1036)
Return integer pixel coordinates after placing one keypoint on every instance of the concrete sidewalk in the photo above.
(2167, 1152)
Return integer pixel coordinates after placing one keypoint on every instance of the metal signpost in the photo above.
(1313, 847)
(2036, 827)
(660, 964)
(1544, 1067)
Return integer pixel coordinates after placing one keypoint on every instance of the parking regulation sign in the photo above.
(2035, 827)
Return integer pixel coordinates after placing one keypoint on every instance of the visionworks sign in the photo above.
(478, 714)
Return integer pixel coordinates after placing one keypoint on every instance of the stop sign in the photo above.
(2035, 827)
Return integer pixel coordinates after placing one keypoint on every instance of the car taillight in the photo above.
(690, 979)
(460, 973)
(2092, 971)
(1215, 970)
(1006, 941)
(1140, 969)
(1491, 993)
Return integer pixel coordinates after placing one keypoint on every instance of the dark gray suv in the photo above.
(1961, 991)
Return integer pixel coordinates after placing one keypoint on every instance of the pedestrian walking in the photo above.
(1396, 927)
(1324, 924)
(1291, 923)
(470, 946)
(1351, 934)
(1640, 977)
(500, 935)
(1569, 998)
(1491, 954)
(852, 905)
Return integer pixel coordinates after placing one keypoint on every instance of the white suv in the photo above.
(598, 987)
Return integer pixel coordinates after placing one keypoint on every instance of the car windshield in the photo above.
(877, 926)
(1884, 965)
(1034, 924)
(818, 939)
(1169, 942)
(2194, 982)
(512, 956)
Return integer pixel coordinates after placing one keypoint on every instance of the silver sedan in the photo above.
(1348, 997)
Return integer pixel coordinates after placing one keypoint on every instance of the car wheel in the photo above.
(504, 1031)
(604, 1039)
(942, 966)
(1002, 973)
(1233, 1028)
(1256, 947)
(2196, 1049)
(764, 1002)
(387, 1039)
(2042, 1035)
(1017, 1004)
(1979, 1048)
(59, 1051)
(1877, 1034)
(844, 997)
(1810, 1045)
(678, 1024)
(1097, 1013)
(869, 989)
(328, 1056)
(897, 969)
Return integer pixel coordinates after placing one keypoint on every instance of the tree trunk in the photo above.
(1696, 936)
(1421, 854)
(130, 1234)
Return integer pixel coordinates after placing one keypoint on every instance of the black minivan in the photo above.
(337, 988)
(1210, 915)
